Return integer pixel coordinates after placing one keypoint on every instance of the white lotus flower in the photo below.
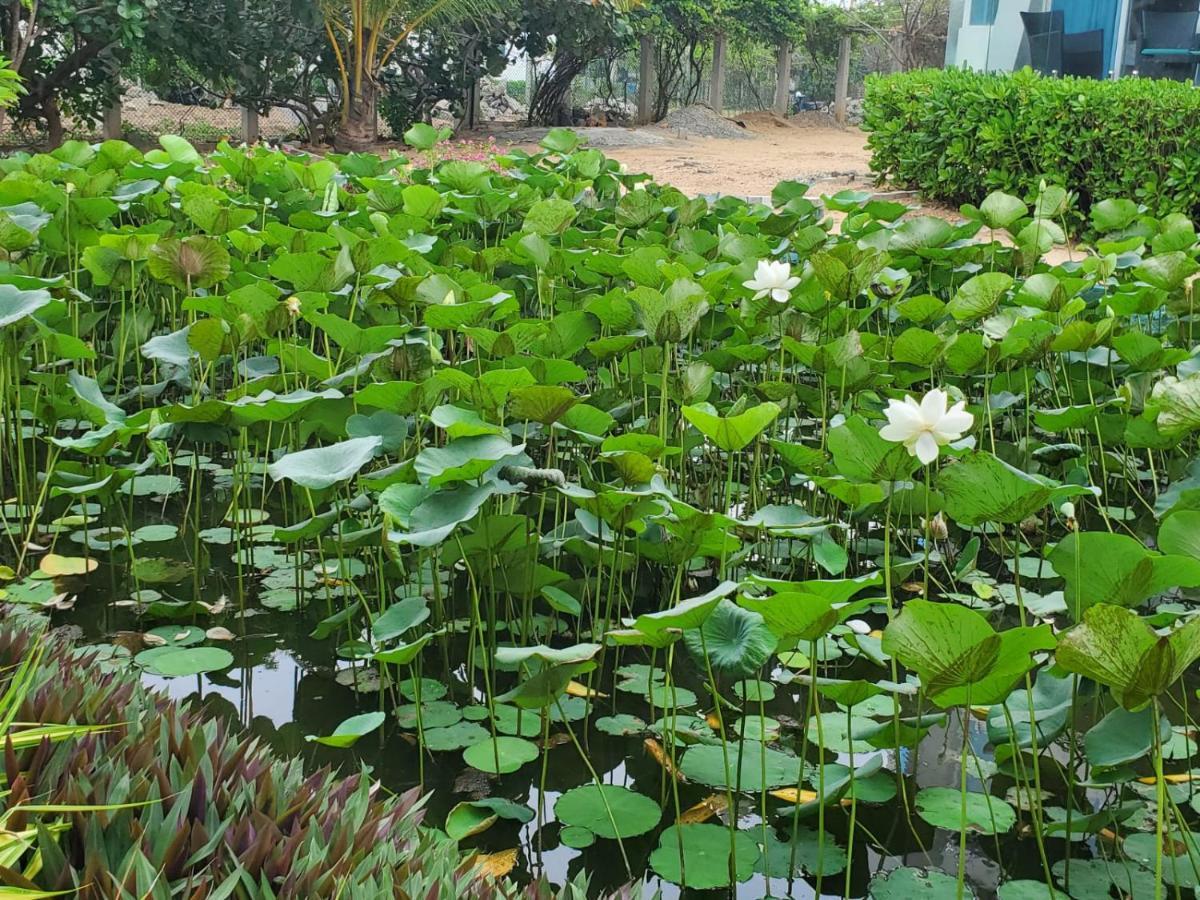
(774, 278)
(925, 427)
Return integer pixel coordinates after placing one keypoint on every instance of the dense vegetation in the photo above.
(1127, 138)
(625, 501)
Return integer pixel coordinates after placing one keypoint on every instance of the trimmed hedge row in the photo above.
(958, 135)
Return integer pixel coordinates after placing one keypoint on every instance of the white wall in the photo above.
(991, 47)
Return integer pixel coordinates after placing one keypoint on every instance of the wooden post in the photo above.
(645, 111)
(716, 84)
(783, 79)
(111, 126)
(842, 89)
(250, 132)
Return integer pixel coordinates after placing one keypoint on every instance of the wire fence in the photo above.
(144, 116)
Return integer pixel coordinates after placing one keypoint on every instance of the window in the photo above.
(983, 12)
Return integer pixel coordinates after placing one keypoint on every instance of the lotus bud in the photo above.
(293, 305)
(937, 527)
(1067, 510)
(69, 187)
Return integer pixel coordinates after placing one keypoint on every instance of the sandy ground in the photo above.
(824, 156)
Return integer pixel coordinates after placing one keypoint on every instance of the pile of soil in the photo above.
(702, 122)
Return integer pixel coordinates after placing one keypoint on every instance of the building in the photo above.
(1091, 38)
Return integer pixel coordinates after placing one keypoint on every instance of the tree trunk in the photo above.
(54, 123)
(360, 130)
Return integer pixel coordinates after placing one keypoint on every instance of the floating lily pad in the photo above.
(473, 817)
(178, 635)
(608, 810)
(434, 714)
(501, 755)
(942, 808)
(760, 769)
(577, 838)
(181, 661)
(915, 884)
(455, 737)
(706, 856)
(621, 724)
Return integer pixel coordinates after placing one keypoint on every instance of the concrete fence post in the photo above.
(250, 128)
(111, 126)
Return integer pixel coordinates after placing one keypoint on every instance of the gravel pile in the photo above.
(700, 121)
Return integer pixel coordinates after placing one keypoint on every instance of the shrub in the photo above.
(958, 135)
(211, 812)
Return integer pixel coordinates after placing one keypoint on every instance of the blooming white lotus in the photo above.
(774, 278)
(925, 427)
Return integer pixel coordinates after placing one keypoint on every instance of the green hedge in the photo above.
(958, 135)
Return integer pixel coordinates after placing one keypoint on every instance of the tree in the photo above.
(573, 33)
(69, 54)
(258, 53)
(683, 31)
(441, 64)
(364, 36)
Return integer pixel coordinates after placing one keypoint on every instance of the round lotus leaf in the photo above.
(755, 690)
(475, 816)
(435, 714)
(179, 635)
(758, 728)
(509, 720)
(942, 808)
(575, 837)
(455, 737)
(501, 755)
(1027, 889)
(706, 850)
(431, 689)
(761, 768)
(915, 884)
(621, 725)
(608, 810)
(180, 661)
(1178, 868)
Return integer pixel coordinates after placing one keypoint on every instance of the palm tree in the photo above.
(363, 35)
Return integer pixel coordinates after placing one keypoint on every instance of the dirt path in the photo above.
(824, 156)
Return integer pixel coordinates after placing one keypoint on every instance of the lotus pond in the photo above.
(784, 548)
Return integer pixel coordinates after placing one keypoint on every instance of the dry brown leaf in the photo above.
(154, 640)
(61, 602)
(218, 633)
(497, 865)
(655, 749)
(218, 607)
(704, 810)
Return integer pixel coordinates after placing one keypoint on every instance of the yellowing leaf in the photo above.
(704, 810)
(575, 689)
(791, 795)
(714, 721)
(497, 865)
(64, 566)
(1177, 778)
(655, 749)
